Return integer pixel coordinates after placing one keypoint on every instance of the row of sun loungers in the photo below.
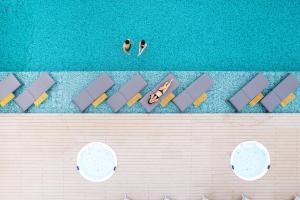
(130, 93)
(251, 93)
(36, 93)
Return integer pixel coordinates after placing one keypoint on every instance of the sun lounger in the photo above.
(204, 198)
(128, 93)
(245, 198)
(251, 93)
(297, 197)
(36, 93)
(7, 87)
(167, 198)
(126, 197)
(195, 93)
(165, 98)
(94, 93)
(281, 94)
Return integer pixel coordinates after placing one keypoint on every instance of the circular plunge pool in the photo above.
(96, 162)
(250, 160)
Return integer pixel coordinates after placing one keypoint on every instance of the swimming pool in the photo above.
(69, 84)
(207, 35)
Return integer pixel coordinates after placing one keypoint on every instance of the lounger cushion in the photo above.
(202, 84)
(255, 86)
(8, 85)
(239, 100)
(24, 100)
(41, 85)
(132, 87)
(287, 86)
(83, 100)
(183, 100)
(117, 101)
(99, 86)
(271, 101)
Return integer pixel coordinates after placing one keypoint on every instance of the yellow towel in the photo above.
(99, 100)
(200, 99)
(134, 99)
(256, 99)
(7, 99)
(167, 99)
(288, 99)
(41, 99)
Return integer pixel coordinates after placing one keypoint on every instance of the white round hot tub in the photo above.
(96, 162)
(250, 160)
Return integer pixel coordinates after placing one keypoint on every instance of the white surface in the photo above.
(96, 162)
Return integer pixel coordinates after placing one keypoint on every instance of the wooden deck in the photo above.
(183, 156)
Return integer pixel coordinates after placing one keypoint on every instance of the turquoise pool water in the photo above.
(69, 84)
(206, 35)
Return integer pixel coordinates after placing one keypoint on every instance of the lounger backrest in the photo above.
(287, 86)
(132, 87)
(173, 86)
(99, 86)
(41, 85)
(255, 86)
(8, 85)
(25, 100)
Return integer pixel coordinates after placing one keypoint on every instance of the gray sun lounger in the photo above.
(94, 93)
(128, 93)
(281, 94)
(195, 93)
(7, 87)
(251, 91)
(165, 98)
(34, 93)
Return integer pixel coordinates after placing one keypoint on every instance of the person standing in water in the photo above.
(127, 46)
(142, 47)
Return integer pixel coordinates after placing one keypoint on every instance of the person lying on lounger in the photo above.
(142, 47)
(127, 46)
(162, 90)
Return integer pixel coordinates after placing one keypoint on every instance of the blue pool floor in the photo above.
(69, 84)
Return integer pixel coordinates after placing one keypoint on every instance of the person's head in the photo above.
(143, 42)
(127, 41)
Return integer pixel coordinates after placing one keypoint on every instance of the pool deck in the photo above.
(181, 155)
